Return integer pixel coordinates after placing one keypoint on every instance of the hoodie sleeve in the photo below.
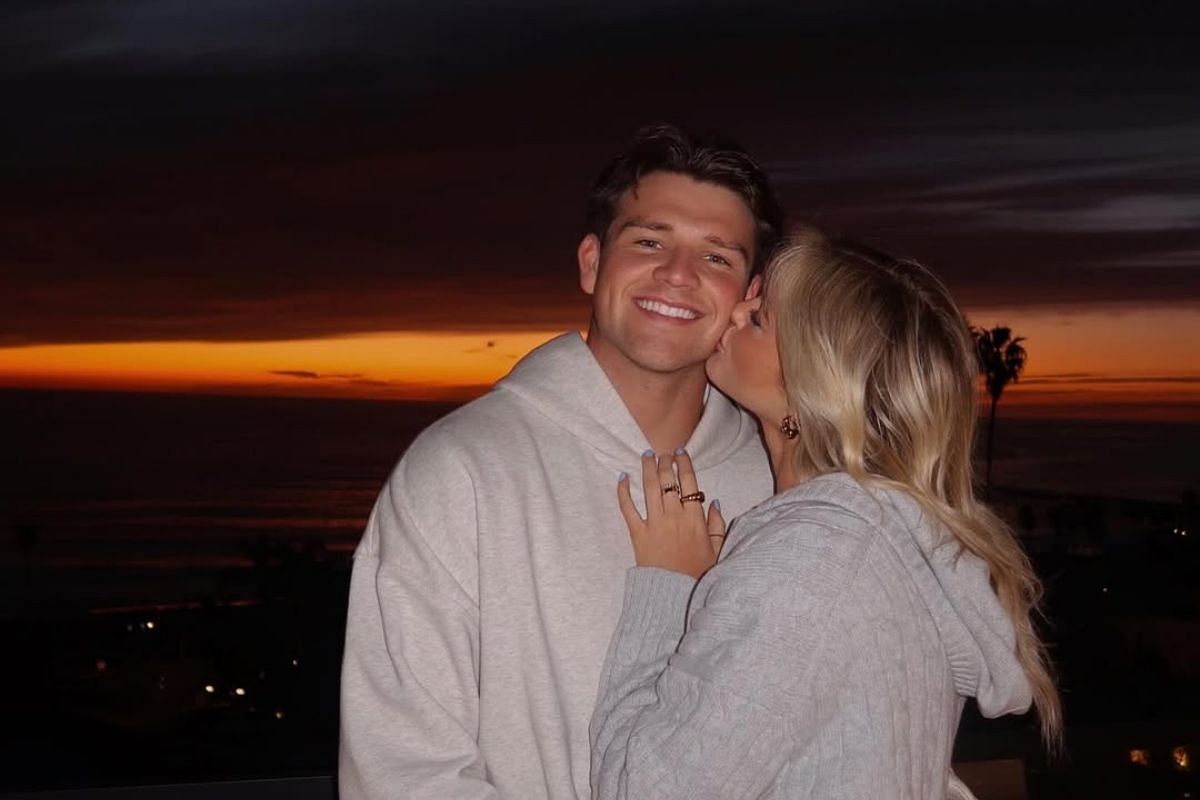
(714, 722)
(409, 693)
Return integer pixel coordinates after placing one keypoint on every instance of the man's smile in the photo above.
(666, 309)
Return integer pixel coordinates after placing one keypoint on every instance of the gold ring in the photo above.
(669, 489)
(697, 497)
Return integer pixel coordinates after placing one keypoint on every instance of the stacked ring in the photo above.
(694, 497)
(671, 488)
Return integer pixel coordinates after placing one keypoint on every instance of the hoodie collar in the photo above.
(563, 382)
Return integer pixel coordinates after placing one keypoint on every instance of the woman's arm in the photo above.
(715, 722)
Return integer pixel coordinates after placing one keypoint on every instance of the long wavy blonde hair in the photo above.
(881, 376)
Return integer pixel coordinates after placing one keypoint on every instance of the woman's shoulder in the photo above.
(825, 524)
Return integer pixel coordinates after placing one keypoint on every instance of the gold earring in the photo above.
(789, 428)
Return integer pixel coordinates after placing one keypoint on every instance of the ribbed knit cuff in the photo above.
(655, 613)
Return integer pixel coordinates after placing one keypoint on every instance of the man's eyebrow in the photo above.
(725, 245)
(642, 222)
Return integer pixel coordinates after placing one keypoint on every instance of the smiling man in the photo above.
(489, 579)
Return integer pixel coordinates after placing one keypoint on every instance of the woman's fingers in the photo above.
(628, 510)
(716, 527)
(687, 474)
(650, 488)
(688, 488)
(668, 484)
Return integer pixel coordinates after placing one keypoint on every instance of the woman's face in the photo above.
(745, 365)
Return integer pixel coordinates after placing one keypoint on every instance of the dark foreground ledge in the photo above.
(315, 788)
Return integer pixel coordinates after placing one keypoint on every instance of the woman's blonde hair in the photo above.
(881, 375)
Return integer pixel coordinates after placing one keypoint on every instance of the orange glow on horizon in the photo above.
(405, 365)
(1105, 363)
(1133, 363)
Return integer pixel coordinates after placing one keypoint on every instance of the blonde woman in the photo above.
(829, 652)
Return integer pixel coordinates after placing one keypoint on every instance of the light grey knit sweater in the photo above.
(827, 655)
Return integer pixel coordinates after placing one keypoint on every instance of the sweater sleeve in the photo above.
(714, 722)
(409, 695)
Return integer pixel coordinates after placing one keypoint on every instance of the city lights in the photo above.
(1139, 757)
(209, 688)
(1182, 758)
(240, 692)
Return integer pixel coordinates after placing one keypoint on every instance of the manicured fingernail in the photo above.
(678, 451)
(716, 504)
(624, 476)
(648, 454)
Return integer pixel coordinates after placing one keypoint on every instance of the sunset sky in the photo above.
(380, 199)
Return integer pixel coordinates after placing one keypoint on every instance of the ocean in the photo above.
(112, 499)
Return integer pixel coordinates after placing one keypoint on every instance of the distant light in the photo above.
(279, 713)
(208, 687)
(101, 665)
(1139, 757)
(240, 692)
(1105, 590)
(295, 662)
(1182, 758)
(150, 624)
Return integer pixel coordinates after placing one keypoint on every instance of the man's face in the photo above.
(663, 284)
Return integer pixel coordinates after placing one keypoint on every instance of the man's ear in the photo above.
(589, 262)
(755, 287)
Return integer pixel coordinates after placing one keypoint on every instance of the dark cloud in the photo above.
(296, 373)
(277, 169)
(304, 374)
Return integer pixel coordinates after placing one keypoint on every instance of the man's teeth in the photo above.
(666, 310)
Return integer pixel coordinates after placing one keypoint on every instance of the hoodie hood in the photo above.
(978, 634)
(563, 382)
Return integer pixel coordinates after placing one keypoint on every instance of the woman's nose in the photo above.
(741, 313)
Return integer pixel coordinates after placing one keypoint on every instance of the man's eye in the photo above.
(648, 243)
(718, 259)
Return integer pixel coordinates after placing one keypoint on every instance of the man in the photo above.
(489, 579)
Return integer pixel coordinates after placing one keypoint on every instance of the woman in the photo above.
(830, 651)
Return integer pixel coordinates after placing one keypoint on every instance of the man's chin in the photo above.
(669, 362)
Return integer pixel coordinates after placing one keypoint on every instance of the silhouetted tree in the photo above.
(1001, 359)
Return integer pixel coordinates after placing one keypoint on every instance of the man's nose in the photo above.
(677, 269)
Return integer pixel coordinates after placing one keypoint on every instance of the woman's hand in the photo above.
(675, 534)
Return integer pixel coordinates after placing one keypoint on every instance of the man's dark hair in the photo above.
(665, 148)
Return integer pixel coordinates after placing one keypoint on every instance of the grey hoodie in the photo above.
(489, 580)
(827, 655)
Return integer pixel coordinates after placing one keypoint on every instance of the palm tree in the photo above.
(1001, 359)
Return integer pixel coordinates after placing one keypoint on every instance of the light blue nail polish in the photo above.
(622, 476)
(648, 454)
(678, 451)
(716, 504)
